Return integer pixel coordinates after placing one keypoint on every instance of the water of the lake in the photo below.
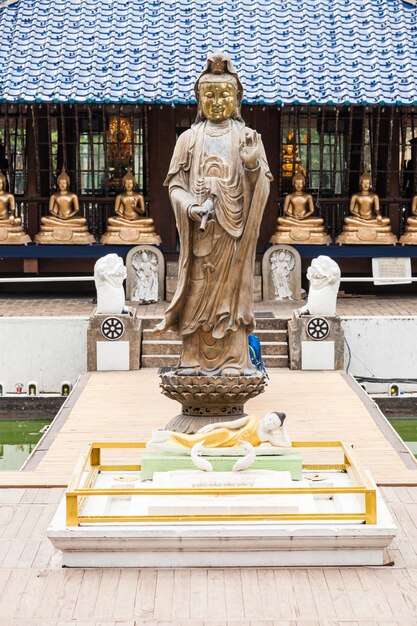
(407, 429)
(17, 440)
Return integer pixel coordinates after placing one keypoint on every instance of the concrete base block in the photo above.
(156, 462)
(223, 544)
(316, 342)
(113, 342)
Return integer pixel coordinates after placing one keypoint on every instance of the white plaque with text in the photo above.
(391, 270)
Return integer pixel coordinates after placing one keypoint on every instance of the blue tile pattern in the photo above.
(286, 51)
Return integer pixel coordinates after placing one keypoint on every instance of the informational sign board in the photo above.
(391, 270)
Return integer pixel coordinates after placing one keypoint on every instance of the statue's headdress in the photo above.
(3, 179)
(129, 176)
(219, 68)
(64, 176)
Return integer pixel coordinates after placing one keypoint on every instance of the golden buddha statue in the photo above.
(11, 230)
(61, 226)
(128, 225)
(298, 225)
(291, 162)
(410, 235)
(366, 224)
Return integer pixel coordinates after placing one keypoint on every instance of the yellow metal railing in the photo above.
(81, 486)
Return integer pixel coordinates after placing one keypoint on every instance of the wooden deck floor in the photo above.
(126, 406)
(36, 591)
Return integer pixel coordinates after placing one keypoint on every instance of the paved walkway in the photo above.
(347, 306)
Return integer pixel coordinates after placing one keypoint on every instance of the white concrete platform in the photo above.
(222, 543)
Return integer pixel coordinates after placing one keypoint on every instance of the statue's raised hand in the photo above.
(249, 150)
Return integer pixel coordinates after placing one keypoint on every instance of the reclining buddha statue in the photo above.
(11, 230)
(62, 226)
(410, 234)
(365, 224)
(298, 224)
(129, 225)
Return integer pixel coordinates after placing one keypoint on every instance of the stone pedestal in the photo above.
(409, 238)
(113, 342)
(316, 342)
(301, 235)
(64, 235)
(209, 399)
(127, 235)
(152, 462)
(12, 235)
(365, 236)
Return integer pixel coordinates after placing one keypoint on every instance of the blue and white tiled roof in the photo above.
(286, 51)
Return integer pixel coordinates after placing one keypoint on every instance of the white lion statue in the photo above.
(324, 277)
(109, 274)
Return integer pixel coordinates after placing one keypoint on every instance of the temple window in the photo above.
(13, 151)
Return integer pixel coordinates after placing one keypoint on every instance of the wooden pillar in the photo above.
(44, 149)
(71, 145)
(30, 266)
(161, 143)
(266, 121)
(388, 163)
(355, 150)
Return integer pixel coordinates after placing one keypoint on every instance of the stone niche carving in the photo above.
(281, 273)
(145, 274)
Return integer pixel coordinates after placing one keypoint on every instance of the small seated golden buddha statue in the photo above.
(366, 225)
(129, 225)
(61, 226)
(11, 230)
(298, 224)
(410, 234)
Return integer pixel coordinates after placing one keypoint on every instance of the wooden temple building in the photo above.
(101, 86)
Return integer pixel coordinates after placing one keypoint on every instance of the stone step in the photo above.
(274, 348)
(271, 335)
(270, 323)
(264, 335)
(161, 346)
(159, 360)
(261, 323)
(149, 323)
(280, 360)
(169, 360)
(148, 335)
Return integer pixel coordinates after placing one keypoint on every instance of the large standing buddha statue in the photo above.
(62, 226)
(129, 225)
(298, 224)
(218, 185)
(11, 230)
(365, 225)
(410, 235)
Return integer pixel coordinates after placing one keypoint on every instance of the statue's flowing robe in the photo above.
(220, 437)
(215, 284)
